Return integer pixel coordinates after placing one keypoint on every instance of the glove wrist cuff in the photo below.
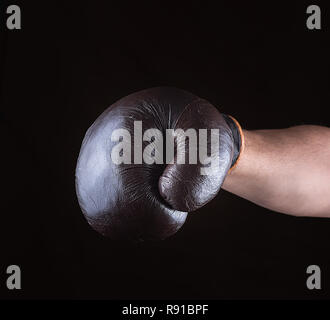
(238, 138)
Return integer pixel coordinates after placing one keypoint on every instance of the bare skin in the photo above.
(285, 170)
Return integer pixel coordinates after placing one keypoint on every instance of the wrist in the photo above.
(238, 139)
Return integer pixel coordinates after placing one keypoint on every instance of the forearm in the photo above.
(285, 170)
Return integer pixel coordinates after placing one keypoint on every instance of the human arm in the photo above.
(285, 170)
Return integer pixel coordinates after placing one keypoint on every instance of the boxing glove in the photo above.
(130, 187)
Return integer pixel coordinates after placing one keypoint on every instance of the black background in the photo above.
(255, 61)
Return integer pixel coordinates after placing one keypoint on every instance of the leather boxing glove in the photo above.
(147, 192)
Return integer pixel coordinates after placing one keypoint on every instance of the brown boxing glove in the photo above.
(151, 158)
